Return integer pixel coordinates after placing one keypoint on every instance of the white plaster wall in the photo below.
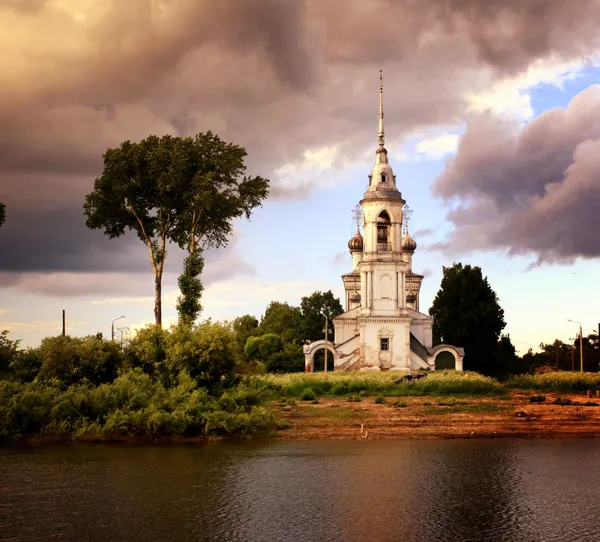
(398, 343)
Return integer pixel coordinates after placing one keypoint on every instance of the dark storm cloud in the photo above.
(277, 76)
(534, 189)
(58, 240)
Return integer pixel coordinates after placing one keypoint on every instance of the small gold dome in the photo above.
(356, 243)
(408, 243)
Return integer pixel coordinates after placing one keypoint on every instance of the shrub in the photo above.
(308, 395)
(537, 399)
(379, 400)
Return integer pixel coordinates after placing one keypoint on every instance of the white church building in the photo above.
(382, 328)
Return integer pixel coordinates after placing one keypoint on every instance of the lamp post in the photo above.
(580, 343)
(112, 328)
(325, 340)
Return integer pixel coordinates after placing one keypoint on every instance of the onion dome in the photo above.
(356, 243)
(408, 243)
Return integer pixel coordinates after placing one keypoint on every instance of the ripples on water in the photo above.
(305, 491)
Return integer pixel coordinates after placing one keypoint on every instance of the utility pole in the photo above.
(63, 323)
(325, 368)
(580, 349)
(580, 344)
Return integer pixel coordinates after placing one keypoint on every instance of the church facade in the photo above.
(383, 328)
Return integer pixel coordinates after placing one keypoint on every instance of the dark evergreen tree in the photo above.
(466, 313)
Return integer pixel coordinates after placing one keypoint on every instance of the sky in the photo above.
(492, 113)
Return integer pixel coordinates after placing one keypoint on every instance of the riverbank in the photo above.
(134, 408)
(511, 415)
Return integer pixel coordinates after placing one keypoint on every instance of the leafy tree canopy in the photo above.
(466, 313)
(313, 321)
(184, 190)
(281, 319)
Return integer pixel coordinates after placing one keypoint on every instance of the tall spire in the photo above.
(381, 136)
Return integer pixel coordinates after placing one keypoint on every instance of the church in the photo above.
(382, 328)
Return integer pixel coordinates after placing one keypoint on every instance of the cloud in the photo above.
(292, 81)
(341, 258)
(423, 232)
(531, 189)
(50, 272)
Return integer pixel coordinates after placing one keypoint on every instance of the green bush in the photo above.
(379, 400)
(308, 394)
(537, 399)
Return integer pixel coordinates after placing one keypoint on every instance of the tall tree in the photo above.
(283, 320)
(313, 307)
(245, 327)
(466, 313)
(214, 192)
(2, 213)
(139, 190)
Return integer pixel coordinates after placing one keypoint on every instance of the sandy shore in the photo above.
(425, 417)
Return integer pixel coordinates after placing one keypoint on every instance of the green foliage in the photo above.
(285, 362)
(139, 190)
(206, 352)
(281, 319)
(312, 321)
(185, 190)
(8, 352)
(379, 400)
(244, 327)
(558, 381)
(26, 364)
(537, 399)
(307, 394)
(377, 383)
(147, 350)
(134, 405)
(72, 359)
(466, 313)
(190, 285)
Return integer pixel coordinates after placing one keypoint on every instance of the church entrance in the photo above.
(445, 360)
(319, 360)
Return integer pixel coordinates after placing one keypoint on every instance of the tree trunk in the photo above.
(158, 299)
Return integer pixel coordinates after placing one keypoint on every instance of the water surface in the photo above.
(454, 490)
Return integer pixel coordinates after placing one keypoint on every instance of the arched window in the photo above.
(383, 177)
(383, 231)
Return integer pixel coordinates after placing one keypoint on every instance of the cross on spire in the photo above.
(381, 135)
(407, 217)
(357, 216)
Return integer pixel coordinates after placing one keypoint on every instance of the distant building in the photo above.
(382, 327)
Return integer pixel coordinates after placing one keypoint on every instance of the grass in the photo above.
(375, 384)
(558, 381)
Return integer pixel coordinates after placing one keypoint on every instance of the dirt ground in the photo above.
(427, 417)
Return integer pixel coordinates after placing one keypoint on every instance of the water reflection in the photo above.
(304, 491)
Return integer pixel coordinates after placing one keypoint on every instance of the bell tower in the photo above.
(384, 320)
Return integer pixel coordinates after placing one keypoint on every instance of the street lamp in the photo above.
(580, 343)
(325, 339)
(112, 328)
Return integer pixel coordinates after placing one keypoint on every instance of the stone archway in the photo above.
(445, 360)
(311, 349)
(445, 356)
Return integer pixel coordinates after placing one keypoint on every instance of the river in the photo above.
(422, 490)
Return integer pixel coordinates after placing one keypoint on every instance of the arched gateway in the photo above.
(311, 349)
(446, 356)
